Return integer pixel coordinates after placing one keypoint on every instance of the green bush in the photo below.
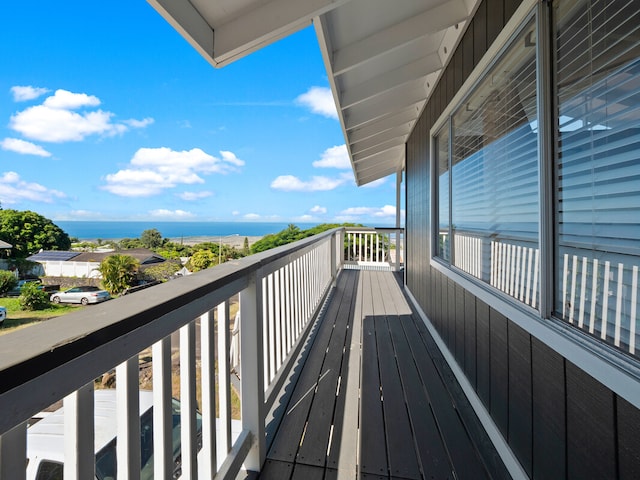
(7, 281)
(32, 298)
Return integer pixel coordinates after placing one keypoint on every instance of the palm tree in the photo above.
(117, 272)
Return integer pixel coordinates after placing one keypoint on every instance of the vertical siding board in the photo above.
(449, 79)
(480, 33)
(451, 315)
(495, 20)
(458, 78)
(467, 52)
(520, 409)
(470, 337)
(499, 371)
(483, 345)
(628, 439)
(591, 450)
(548, 402)
(510, 6)
(460, 331)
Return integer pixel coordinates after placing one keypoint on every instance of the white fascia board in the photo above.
(405, 117)
(265, 24)
(418, 69)
(432, 20)
(389, 104)
(189, 23)
(400, 131)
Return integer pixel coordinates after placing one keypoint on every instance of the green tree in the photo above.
(32, 297)
(7, 281)
(151, 238)
(30, 232)
(162, 271)
(202, 259)
(118, 271)
(127, 243)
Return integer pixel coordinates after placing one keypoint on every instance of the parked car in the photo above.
(83, 295)
(17, 288)
(3, 314)
(45, 439)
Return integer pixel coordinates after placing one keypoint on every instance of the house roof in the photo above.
(5, 244)
(143, 256)
(382, 57)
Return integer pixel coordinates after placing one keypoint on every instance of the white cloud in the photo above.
(14, 190)
(191, 196)
(84, 214)
(235, 213)
(23, 147)
(386, 211)
(24, 93)
(251, 216)
(161, 212)
(320, 101)
(153, 170)
(318, 209)
(231, 158)
(133, 123)
(56, 121)
(334, 157)
(66, 100)
(290, 183)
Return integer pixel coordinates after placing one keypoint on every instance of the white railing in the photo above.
(601, 296)
(515, 271)
(280, 292)
(379, 248)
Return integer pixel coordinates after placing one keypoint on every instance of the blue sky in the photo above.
(106, 113)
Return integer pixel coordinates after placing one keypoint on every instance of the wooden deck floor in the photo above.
(375, 399)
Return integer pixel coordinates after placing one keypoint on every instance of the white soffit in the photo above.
(382, 57)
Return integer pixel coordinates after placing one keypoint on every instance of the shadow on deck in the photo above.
(374, 397)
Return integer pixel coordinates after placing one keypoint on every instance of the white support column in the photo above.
(79, 456)
(13, 452)
(398, 221)
(253, 408)
(128, 419)
(334, 254)
(224, 383)
(162, 414)
(188, 400)
(207, 358)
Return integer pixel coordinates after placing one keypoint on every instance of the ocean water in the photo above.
(86, 230)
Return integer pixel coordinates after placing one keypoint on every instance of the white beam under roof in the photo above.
(395, 36)
(393, 79)
(382, 57)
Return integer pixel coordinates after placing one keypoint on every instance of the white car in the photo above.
(45, 439)
(83, 295)
(3, 314)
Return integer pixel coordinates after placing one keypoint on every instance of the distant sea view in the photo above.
(87, 230)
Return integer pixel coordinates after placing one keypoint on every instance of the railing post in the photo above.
(398, 248)
(79, 434)
(128, 418)
(162, 413)
(13, 451)
(333, 260)
(251, 370)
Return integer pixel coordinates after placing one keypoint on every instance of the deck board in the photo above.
(373, 399)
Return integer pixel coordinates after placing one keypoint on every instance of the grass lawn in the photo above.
(18, 318)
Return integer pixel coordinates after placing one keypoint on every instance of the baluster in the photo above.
(13, 451)
(208, 406)
(224, 368)
(128, 419)
(188, 400)
(79, 453)
(162, 413)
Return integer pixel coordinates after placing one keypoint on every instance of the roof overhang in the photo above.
(382, 57)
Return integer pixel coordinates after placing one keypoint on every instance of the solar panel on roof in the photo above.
(53, 255)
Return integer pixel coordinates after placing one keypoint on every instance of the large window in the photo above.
(598, 168)
(489, 176)
(489, 165)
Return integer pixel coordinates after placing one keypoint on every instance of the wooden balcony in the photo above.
(374, 397)
(337, 376)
